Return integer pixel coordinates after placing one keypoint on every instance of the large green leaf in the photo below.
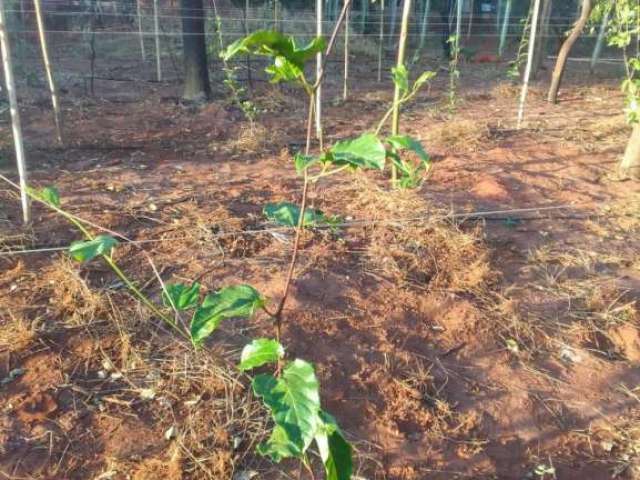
(294, 401)
(289, 58)
(278, 446)
(260, 351)
(181, 296)
(365, 151)
(288, 214)
(83, 251)
(302, 162)
(406, 142)
(335, 451)
(230, 302)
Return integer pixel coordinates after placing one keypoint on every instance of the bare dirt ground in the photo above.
(476, 346)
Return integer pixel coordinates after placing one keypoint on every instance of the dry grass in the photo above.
(428, 252)
(459, 135)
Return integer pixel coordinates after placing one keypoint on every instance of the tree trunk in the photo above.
(543, 36)
(196, 74)
(558, 71)
(630, 164)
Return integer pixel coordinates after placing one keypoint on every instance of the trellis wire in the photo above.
(476, 215)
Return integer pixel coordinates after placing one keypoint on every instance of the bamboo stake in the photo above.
(394, 15)
(15, 114)
(364, 15)
(381, 41)
(318, 99)
(527, 72)
(140, 34)
(47, 66)
(345, 89)
(470, 26)
(498, 16)
(395, 119)
(423, 30)
(601, 34)
(505, 28)
(156, 28)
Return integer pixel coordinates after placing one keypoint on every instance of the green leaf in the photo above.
(405, 142)
(260, 351)
(302, 162)
(181, 296)
(366, 151)
(294, 401)
(335, 451)
(230, 302)
(84, 251)
(400, 77)
(50, 195)
(289, 59)
(422, 79)
(278, 446)
(288, 214)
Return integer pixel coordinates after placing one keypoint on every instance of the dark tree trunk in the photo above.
(196, 74)
(558, 71)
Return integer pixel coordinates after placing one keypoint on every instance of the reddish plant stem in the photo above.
(305, 189)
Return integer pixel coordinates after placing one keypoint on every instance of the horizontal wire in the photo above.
(349, 224)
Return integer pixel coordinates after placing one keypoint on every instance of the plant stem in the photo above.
(78, 223)
(303, 203)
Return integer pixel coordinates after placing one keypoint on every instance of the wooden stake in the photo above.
(156, 28)
(601, 34)
(527, 72)
(402, 45)
(47, 66)
(381, 41)
(318, 109)
(345, 89)
(140, 34)
(505, 28)
(15, 114)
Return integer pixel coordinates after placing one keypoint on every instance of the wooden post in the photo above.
(318, 109)
(381, 41)
(140, 34)
(423, 30)
(402, 45)
(15, 114)
(156, 28)
(392, 26)
(505, 28)
(601, 34)
(345, 89)
(47, 66)
(527, 72)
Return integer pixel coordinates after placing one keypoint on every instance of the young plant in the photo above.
(230, 302)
